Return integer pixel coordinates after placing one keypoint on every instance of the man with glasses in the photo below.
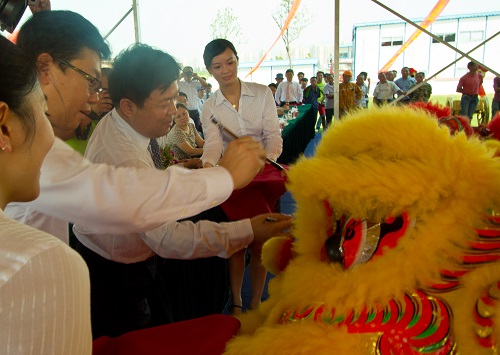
(115, 200)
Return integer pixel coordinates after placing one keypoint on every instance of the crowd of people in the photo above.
(410, 87)
(318, 91)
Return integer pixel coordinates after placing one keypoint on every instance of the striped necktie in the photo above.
(155, 153)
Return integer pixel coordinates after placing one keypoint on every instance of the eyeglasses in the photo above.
(95, 85)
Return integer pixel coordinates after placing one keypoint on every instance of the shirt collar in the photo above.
(138, 139)
(246, 90)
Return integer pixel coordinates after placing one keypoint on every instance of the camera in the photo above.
(11, 12)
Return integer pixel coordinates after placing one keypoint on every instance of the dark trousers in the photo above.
(195, 115)
(118, 297)
(329, 116)
(468, 105)
(187, 289)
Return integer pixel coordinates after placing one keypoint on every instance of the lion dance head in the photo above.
(396, 247)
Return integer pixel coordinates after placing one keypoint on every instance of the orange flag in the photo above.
(291, 15)
(433, 15)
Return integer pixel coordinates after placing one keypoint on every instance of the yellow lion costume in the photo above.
(396, 248)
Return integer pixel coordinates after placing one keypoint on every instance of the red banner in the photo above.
(433, 15)
(289, 19)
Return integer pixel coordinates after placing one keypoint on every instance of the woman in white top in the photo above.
(247, 109)
(44, 285)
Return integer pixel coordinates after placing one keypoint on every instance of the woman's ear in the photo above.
(5, 130)
(43, 63)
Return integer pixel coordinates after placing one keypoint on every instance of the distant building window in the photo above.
(446, 37)
(471, 36)
(391, 41)
(344, 55)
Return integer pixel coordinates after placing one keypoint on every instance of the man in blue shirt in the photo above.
(313, 94)
(405, 83)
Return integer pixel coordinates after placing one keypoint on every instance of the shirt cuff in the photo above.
(241, 235)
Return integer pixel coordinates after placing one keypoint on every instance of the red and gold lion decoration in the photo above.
(397, 245)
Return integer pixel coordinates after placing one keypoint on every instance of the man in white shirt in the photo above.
(192, 81)
(133, 127)
(115, 200)
(328, 91)
(385, 90)
(289, 92)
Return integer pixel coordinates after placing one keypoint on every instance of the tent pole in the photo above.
(137, 27)
(118, 23)
(336, 70)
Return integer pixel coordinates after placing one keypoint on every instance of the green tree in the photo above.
(225, 25)
(300, 21)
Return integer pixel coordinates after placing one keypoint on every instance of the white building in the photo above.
(268, 69)
(376, 43)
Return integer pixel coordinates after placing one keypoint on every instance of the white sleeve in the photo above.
(271, 135)
(188, 240)
(213, 147)
(123, 200)
(300, 94)
(45, 304)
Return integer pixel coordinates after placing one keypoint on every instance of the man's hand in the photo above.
(104, 105)
(43, 5)
(193, 163)
(243, 158)
(266, 226)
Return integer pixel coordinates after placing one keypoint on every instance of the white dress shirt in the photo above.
(191, 90)
(386, 90)
(291, 88)
(185, 240)
(44, 294)
(256, 117)
(329, 90)
(115, 200)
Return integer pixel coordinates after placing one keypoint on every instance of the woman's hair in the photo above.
(216, 47)
(180, 104)
(18, 79)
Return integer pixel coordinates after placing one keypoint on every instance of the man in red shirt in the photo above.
(469, 85)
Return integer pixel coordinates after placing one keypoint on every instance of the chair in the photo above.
(455, 108)
(449, 101)
(206, 335)
(483, 111)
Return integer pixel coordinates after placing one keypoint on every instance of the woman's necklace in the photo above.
(233, 95)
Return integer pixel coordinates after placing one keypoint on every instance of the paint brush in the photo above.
(235, 136)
